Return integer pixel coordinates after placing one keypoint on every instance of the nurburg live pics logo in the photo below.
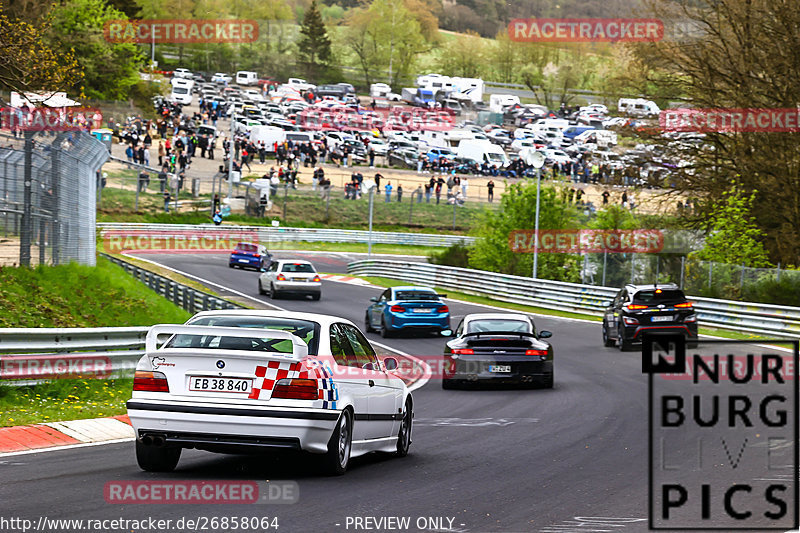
(722, 434)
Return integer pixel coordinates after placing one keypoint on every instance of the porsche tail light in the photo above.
(536, 352)
(464, 351)
(634, 307)
(146, 381)
(281, 277)
(684, 305)
(397, 309)
(296, 389)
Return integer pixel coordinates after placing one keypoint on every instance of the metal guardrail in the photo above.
(267, 234)
(181, 295)
(39, 353)
(744, 317)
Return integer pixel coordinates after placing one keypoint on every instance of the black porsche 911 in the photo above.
(498, 348)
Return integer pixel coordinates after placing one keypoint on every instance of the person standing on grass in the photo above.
(161, 153)
(388, 190)
(167, 199)
(439, 190)
(490, 189)
(399, 192)
(464, 187)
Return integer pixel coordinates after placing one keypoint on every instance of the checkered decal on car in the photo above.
(267, 376)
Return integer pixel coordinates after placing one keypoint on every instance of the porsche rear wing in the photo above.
(501, 333)
(299, 347)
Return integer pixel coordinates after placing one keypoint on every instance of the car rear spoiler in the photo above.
(299, 347)
(511, 333)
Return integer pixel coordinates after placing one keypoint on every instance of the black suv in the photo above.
(652, 308)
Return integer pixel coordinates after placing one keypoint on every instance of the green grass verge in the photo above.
(63, 399)
(80, 296)
(74, 296)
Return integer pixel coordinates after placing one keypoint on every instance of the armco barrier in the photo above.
(38, 353)
(267, 234)
(744, 317)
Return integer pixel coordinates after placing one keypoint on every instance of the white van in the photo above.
(181, 91)
(499, 101)
(246, 77)
(638, 107)
(379, 90)
(268, 134)
(482, 151)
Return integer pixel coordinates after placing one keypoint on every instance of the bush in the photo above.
(769, 290)
(456, 256)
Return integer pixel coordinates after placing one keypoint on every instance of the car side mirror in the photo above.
(373, 299)
(390, 363)
(544, 334)
(447, 333)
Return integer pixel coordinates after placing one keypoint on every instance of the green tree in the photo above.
(735, 237)
(110, 70)
(492, 251)
(314, 46)
(23, 44)
(464, 56)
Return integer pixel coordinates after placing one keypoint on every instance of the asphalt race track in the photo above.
(492, 460)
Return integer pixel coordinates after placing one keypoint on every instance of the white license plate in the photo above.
(500, 369)
(421, 310)
(661, 318)
(216, 384)
(244, 260)
(299, 279)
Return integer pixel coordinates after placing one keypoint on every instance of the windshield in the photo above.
(416, 295)
(304, 329)
(245, 247)
(297, 267)
(494, 157)
(180, 90)
(498, 324)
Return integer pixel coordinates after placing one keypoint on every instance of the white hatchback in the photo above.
(242, 381)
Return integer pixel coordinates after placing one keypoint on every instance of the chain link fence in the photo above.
(47, 197)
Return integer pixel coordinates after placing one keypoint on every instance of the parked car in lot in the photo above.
(661, 308)
(286, 276)
(250, 255)
(407, 308)
(498, 348)
(221, 78)
(244, 381)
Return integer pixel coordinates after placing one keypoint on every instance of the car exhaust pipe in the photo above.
(147, 440)
(159, 441)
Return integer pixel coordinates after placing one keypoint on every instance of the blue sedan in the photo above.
(250, 255)
(406, 309)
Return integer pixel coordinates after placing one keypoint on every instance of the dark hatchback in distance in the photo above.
(501, 348)
(661, 308)
(250, 255)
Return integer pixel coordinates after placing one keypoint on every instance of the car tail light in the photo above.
(257, 256)
(316, 278)
(296, 389)
(684, 305)
(536, 352)
(281, 277)
(464, 351)
(397, 309)
(634, 307)
(444, 309)
(690, 318)
(629, 320)
(146, 381)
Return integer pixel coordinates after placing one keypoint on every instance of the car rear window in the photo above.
(415, 295)
(304, 329)
(656, 296)
(244, 247)
(297, 267)
(478, 326)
